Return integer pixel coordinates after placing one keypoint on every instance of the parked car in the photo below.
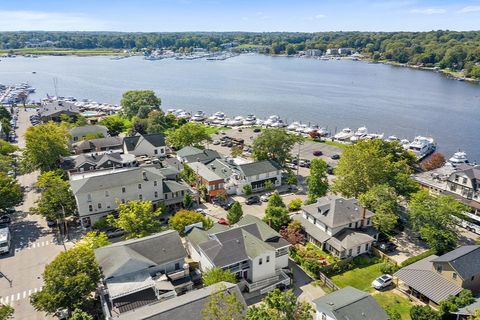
(201, 211)
(265, 197)
(317, 153)
(292, 166)
(387, 246)
(257, 130)
(222, 221)
(216, 142)
(302, 163)
(330, 170)
(252, 200)
(382, 281)
(51, 223)
(115, 233)
(10, 210)
(5, 220)
(335, 157)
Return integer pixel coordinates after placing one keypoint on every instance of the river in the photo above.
(336, 93)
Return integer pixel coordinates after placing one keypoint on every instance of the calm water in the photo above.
(336, 94)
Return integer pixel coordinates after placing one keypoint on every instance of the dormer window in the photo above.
(439, 268)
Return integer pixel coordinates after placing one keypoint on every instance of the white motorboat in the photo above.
(372, 136)
(359, 134)
(293, 126)
(422, 146)
(301, 128)
(235, 122)
(323, 132)
(250, 120)
(310, 129)
(278, 124)
(199, 116)
(271, 120)
(184, 115)
(343, 135)
(218, 118)
(392, 138)
(458, 158)
(405, 143)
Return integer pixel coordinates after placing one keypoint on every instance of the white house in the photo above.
(152, 145)
(98, 193)
(338, 225)
(251, 249)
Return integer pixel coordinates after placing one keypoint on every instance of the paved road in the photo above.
(34, 245)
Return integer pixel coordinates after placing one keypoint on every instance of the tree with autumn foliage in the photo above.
(436, 160)
(293, 233)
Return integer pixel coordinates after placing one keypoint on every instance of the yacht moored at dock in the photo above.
(458, 158)
(422, 146)
(344, 135)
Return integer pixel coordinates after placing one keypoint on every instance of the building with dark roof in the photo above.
(338, 225)
(98, 161)
(98, 145)
(192, 154)
(251, 249)
(185, 307)
(54, 110)
(81, 132)
(435, 278)
(465, 184)
(142, 271)
(152, 145)
(348, 303)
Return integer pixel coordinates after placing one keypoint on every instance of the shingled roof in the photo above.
(465, 260)
(155, 139)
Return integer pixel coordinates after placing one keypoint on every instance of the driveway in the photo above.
(303, 286)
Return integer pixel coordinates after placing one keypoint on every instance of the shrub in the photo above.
(295, 204)
(247, 189)
(417, 258)
(388, 267)
(101, 223)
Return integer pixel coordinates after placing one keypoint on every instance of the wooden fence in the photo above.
(327, 282)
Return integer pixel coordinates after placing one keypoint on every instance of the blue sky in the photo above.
(241, 15)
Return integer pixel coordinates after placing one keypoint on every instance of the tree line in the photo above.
(442, 48)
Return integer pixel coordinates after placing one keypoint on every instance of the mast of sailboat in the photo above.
(55, 86)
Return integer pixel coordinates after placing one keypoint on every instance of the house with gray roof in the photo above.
(208, 178)
(192, 154)
(98, 161)
(250, 249)
(467, 312)
(185, 307)
(98, 145)
(142, 271)
(52, 111)
(152, 145)
(465, 184)
(348, 303)
(338, 225)
(99, 192)
(433, 279)
(81, 132)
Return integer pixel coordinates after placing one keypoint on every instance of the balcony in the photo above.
(268, 284)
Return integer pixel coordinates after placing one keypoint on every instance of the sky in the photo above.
(240, 15)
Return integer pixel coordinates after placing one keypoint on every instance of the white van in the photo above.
(5, 239)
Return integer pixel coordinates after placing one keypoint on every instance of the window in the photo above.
(358, 250)
(473, 277)
(139, 186)
(177, 266)
(155, 183)
(90, 208)
(368, 221)
(349, 252)
(89, 197)
(99, 206)
(268, 259)
(456, 178)
(156, 151)
(454, 276)
(156, 194)
(107, 194)
(166, 196)
(123, 189)
(439, 268)
(366, 247)
(140, 197)
(260, 261)
(464, 180)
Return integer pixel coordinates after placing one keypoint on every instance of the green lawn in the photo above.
(391, 301)
(361, 277)
(336, 144)
(213, 130)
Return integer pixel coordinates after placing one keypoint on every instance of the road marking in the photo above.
(35, 245)
(29, 292)
(19, 296)
(12, 298)
(24, 294)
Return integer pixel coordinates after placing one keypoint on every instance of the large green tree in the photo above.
(275, 144)
(184, 218)
(115, 124)
(383, 201)
(318, 180)
(423, 313)
(235, 213)
(6, 155)
(372, 162)
(56, 200)
(215, 275)
(45, 144)
(132, 101)
(137, 218)
(432, 217)
(10, 192)
(223, 305)
(188, 134)
(279, 305)
(78, 314)
(276, 214)
(69, 281)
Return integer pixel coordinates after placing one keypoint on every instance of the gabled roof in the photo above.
(204, 171)
(335, 211)
(259, 167)
(465, 260)
(115, 178)
(204, 156)
(155, 139)
(188, 306)
(173, 186)
(84, 130)
(350, 238)
(262, 231)
(350, 303)
(421, 277)
(134, 255)
(470, 172)
(98, 143)
(188, 151)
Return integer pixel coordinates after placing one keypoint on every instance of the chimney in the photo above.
(363, 213)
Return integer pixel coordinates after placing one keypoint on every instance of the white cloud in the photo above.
(429, 11)
(12, 20)
(469, 9)
(320, 16)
